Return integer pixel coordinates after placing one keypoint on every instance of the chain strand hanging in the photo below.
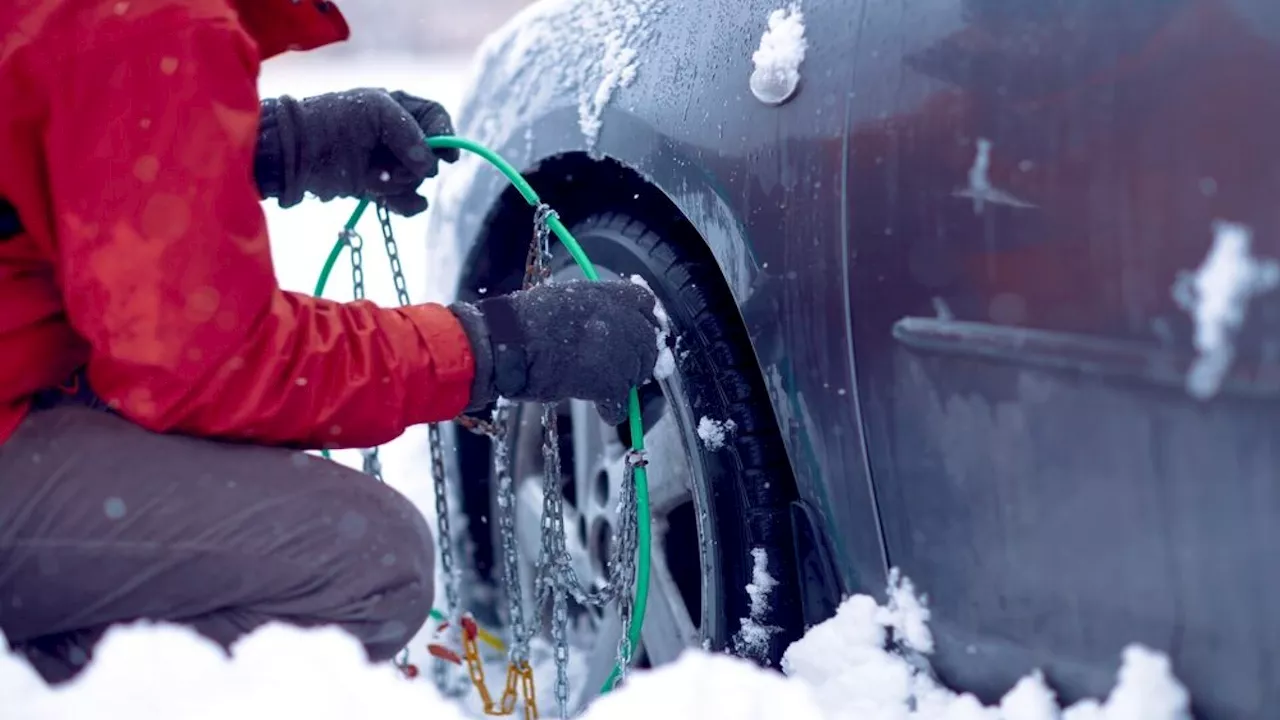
(555, 579)
(372, 464)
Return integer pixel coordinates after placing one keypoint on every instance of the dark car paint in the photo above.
(1056, 493)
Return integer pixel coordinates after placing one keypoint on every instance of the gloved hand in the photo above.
(356, 143)
(557, 341)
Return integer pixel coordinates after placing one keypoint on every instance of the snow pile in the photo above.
(752, 639)
(777, 61)
(160, 672)
(1147, 689)
(907, 615)
(851, 663)
(843, 669)
(701, 685)
(167, 672)
(713, 433)
(1216, 296)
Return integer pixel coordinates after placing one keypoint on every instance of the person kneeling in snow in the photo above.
(167, 480)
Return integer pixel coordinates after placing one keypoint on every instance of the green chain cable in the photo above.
(588, 269)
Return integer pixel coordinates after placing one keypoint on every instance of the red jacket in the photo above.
(127, 133)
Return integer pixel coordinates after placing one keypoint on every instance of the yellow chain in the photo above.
(530, 697)
(519, 677)
(476, 669)
(509, 693)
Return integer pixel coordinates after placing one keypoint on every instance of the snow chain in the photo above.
(555, 580)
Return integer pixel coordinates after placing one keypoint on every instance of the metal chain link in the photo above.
(549, 555)
(372, 464)
(444, 541)
(393, 253)
(554, 578)
(356, 243)
(506, 496)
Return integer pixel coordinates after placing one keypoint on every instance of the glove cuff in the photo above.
(277, 164)
(507, 339)
(483, 391)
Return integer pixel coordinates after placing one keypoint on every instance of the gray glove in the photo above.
(558, 341)
(357, 143)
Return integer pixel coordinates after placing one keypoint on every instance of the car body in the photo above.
(964, 250)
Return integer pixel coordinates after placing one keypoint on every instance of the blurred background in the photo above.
(421, 46)
(420, 27)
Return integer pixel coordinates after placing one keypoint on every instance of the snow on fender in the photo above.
(777, 61)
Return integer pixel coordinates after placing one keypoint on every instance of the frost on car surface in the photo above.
(777, 61)
(573, 51)
(554, 53)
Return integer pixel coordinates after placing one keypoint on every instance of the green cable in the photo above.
(637, 428)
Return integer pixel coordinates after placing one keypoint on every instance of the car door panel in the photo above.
(1040, 468)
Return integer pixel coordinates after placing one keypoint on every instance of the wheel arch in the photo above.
(578, 186)
(646, 154)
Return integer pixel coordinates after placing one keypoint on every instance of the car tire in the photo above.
(745, 483)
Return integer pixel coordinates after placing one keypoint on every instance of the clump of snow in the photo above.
(777, 61)
(666, 364)
(857, 673)
(706, 685)
(980, 189)
(752, 639)
(1146, 689)
(907, 614)
(713, 433)
(844, 659)
(1216, 296)
(1030, 699)
(168, 672)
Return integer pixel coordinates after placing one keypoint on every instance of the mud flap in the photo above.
(820, 591)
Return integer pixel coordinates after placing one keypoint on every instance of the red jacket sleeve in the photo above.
(166, 268)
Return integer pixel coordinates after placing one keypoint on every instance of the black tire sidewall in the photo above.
(624, 246)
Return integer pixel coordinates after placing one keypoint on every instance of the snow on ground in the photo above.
(843, 669)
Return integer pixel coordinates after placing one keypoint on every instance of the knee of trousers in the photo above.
(395, 574)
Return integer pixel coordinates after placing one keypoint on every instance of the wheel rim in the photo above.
(684, 574)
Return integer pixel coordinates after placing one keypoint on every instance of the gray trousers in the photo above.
(102, 522)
